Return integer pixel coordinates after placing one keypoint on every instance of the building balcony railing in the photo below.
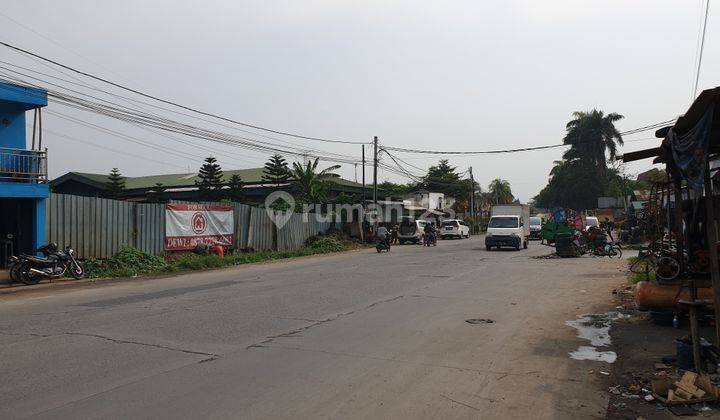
(27, 166)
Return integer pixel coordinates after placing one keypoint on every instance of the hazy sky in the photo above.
(454, 75)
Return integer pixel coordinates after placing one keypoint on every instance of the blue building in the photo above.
(23, 171)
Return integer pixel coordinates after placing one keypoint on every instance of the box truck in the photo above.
(509, 225)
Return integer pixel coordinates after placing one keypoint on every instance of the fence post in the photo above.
(275, 233)
(135, 243)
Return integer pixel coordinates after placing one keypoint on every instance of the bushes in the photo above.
(328, 244)
(127, 262)
(130, 262)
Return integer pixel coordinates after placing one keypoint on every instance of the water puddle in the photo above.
(596, 329)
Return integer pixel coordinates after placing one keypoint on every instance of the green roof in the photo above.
(249, 176)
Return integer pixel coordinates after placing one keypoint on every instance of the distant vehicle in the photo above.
(454, 228)
(509, 225)
(411, 230)
(591, 221)
(536, 227)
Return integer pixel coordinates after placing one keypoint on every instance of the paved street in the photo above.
(356, 335)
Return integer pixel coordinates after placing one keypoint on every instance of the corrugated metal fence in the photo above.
(99, 227)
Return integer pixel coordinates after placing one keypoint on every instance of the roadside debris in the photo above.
(690, 389)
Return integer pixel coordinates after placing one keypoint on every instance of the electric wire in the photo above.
(178, 105)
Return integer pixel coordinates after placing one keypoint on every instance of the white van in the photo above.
(509, 225)
(454, 228)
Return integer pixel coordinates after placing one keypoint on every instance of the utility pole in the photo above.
(363, 177)
(375, 165)
(472, 197)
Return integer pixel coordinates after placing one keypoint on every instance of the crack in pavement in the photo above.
(461, 403)
(294, 332)
(24, 334)
(212, 356)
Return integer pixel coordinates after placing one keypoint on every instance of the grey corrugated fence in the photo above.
(98, 227)
(95, 227)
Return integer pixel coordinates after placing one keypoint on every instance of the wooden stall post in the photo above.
(712, 245)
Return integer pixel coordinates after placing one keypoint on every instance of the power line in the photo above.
(138, 118)
(127, 99)
(702, 47)
(121, 107)
(110, 149)
(168, 102)
(523, 149)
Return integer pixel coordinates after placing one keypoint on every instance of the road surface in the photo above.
(354, 335)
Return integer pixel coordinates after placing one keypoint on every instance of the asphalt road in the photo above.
(355, 335)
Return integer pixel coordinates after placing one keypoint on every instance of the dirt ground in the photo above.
(640, 344)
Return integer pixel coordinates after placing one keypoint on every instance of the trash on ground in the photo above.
(690, 389)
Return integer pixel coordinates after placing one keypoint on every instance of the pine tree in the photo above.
(235, 188)
(115, 184)
(210, 183)
(277, 171)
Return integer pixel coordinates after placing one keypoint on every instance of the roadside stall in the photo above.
(682, 219)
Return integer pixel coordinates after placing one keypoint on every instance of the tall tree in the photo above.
(591, 135)
(396, 189)
(442, 178)
(499, 192)
(310, 184)
(276, 171)
(115, 184)
(211, 180)
(582, 175)
(235, 188)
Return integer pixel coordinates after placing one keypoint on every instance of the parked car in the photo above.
(411, 230)
(509, 225)
(454, 228)
(535, 227)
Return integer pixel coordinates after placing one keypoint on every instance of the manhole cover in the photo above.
(479, 321)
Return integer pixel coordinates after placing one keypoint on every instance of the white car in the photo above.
(454, 228)
(411, 230)
(591, 222)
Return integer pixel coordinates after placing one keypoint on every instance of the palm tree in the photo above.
(591, 134)
(312, 186)
(499, 192)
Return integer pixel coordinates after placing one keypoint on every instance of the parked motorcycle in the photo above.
(54, 263)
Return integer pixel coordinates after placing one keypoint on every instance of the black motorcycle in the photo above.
(54, 263)
(383, 245)
(430, 239)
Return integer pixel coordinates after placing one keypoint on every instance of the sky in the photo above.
(455, 75)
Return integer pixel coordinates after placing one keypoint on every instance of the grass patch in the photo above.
(638, 277)
(131, 262)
